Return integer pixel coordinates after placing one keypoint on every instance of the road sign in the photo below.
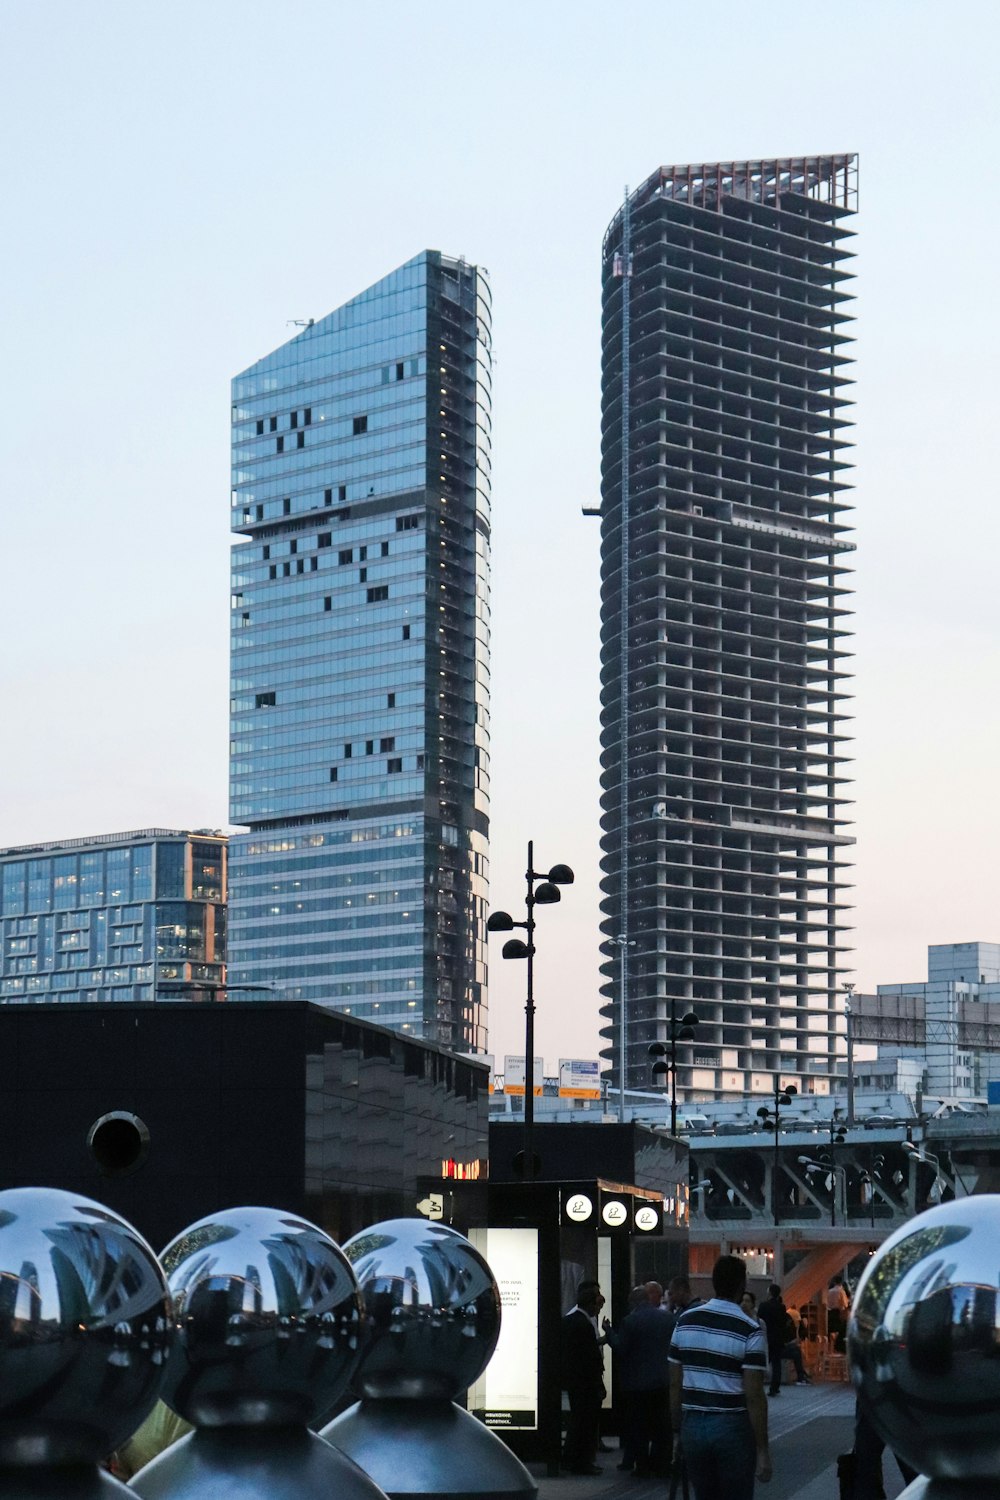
(579, 1078)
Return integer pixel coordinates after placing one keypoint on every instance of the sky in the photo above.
(180, 181)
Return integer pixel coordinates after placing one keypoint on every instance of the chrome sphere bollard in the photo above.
(924, 1346)
(435, 1313)
(84, 1332)
(269, 1325)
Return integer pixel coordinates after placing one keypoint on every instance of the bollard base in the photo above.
(415, 1448)
(253, 1463)
(58, 1482)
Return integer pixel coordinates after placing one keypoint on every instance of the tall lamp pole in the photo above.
(849, 1016)
(543, 893)
(622, 942)
(680, 1031)
(772, 1117)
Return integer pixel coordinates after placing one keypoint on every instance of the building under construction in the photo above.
(724, 643)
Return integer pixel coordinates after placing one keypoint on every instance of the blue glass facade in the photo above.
(124, 916)
(359, 657)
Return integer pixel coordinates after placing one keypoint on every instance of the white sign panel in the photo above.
(506, 1394)
(513, 1075)
(579, 1078)
(614, 1213)
(579, 1208)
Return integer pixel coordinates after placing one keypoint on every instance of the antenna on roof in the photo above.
(299, 322)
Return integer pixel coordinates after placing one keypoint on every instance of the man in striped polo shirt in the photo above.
(718, 1359)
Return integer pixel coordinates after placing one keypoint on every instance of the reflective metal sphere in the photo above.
(433, 1305)
(84, 1328)
(924, 1340)
(268, 1320)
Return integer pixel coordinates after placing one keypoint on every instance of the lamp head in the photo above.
(789, 1089)
(690, 1019)
(656, 1049)
(763, 1112)
(514, 948)
(660, 1068)
(561, 875)
(500, 921)
(685, 1034)
(547, 894)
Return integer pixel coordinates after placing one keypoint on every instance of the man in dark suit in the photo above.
(643, 1349)
(582, 1379)
(773, 1317)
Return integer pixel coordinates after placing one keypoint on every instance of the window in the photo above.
(313, 564)
(265, 553)
(342, 492)
(346, 556)
(378, 593)
(390, 700)
(266, 700)
(406, 632)
(328, 497)
(369, 747)
(333, 773)
(362, 553)
(279, 444)
(348, 750)
(394, 765)
(407, 523)
(363, 575)
(323, 540)
(400, 370)
(420, 762)
(307, 416)
(274, 424)
(260, 426)
(293, 420)
(272, 571)
(286, 568)
(259, 512)
(328, 603)
(293, 545)
(300, 565)
(385, 549)
(360, 425)
(300, 440)
(286, 509)
(387, 742)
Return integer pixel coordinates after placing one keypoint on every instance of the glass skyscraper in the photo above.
(360, 657)
(123, 916)
(725, 619)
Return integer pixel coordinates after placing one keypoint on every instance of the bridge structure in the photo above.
(822, 1195)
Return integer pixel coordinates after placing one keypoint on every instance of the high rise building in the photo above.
(726, 326)
(123, 916)
(360, 657)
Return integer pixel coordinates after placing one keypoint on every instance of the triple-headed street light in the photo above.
(680, 1031)
(543, 890)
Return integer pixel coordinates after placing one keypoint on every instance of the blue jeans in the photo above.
(720, 1454)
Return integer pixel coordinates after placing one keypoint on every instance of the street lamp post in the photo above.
(680, 1031)
(772, 1117)
(811, 1165)
(544, 893)
(849, 1016)
(622, 943)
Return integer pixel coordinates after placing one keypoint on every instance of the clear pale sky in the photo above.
(179, 180)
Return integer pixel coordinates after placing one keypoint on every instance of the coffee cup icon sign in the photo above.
(614, 1212)
(579, 1208)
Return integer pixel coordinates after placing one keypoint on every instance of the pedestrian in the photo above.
(866, 1467)
(837, 1307)
(680, 1296)
(792, 1349)
(773, 1318)
(718, 1359)
(582, 1378)
(623, 1394)
(644, 1351)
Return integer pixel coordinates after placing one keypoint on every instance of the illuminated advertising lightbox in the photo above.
(506, 1394)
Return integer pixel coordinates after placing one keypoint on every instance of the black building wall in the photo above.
(281, 1104)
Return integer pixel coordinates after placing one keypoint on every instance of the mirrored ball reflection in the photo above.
(269, 1320)
(924, 1340)
(84, 1328)
(433, 1306)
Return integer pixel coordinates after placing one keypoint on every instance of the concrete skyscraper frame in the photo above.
(724, 618)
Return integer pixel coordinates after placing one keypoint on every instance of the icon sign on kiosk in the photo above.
(615, 1213)
(579, 1208)
(648, 1218)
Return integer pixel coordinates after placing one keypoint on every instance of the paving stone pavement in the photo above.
(808, 1426)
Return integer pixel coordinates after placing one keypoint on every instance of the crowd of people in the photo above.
(691, 1382)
